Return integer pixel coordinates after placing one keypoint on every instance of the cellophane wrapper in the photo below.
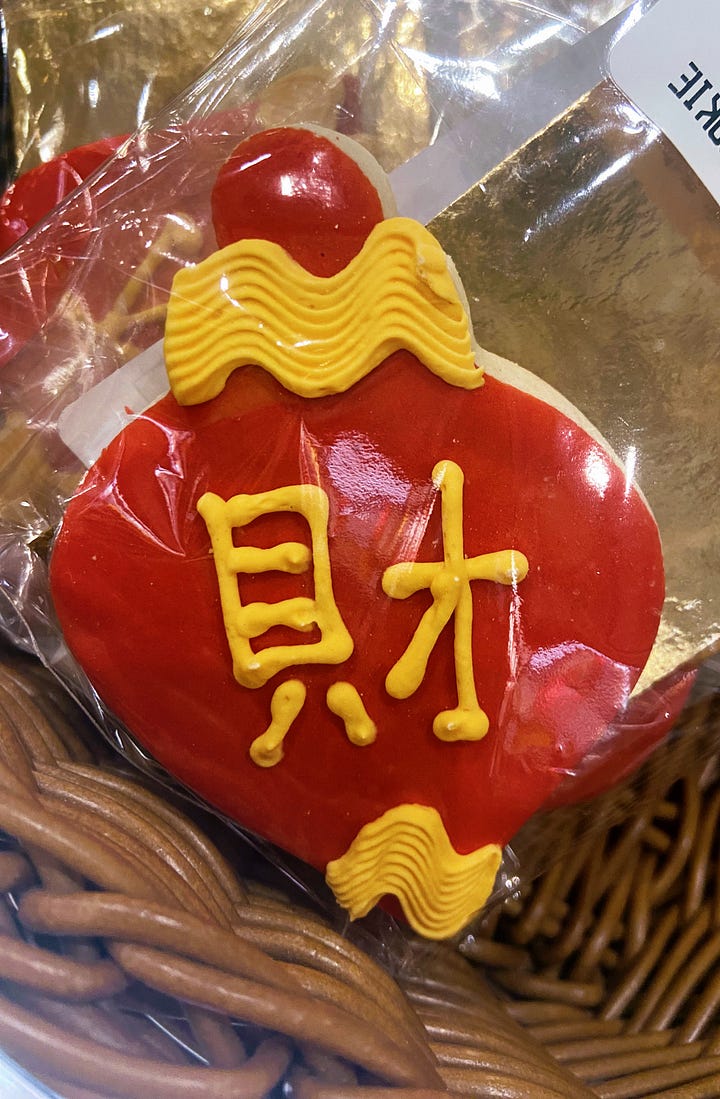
(78, 72)
(587, 255)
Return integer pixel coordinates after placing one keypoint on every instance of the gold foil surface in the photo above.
(592, 257)
(85, 69)
(94, 68)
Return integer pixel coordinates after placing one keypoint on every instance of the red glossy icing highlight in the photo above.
(298, 190)
(137, 596)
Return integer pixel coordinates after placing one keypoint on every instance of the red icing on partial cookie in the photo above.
(37, 286)
(554, 658)
(31, 197)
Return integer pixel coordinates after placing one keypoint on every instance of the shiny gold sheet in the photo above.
(84, 69)
(591, 256)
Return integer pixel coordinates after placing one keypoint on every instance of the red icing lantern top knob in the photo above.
(298, 189)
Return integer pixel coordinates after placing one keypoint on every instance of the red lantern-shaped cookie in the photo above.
(368, 599)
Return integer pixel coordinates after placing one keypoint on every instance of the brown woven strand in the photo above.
(606, 972)
(626, 929)
(233, 989)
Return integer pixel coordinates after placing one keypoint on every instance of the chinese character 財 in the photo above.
(449, 584)
(448, 581)
(246, 621)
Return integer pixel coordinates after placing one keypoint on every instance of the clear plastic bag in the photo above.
(79, 72)
(86, 293)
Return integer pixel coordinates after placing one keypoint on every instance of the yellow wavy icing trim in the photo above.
(252, 303)
(408, 853)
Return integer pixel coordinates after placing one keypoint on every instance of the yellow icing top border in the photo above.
(251, 303)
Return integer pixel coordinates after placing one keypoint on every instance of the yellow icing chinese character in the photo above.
(343, 700)
(449, 584)
(245, 622)
(287, 701)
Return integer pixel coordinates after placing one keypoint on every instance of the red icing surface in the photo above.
(34, 194)
(136, 591)
(627, 743)
(137, 596)
(298, 190)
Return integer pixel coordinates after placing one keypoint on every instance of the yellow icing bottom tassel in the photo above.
(407, 852)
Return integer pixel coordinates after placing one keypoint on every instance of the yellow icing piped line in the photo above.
(407, 852)
(287, 702)
(449, 584)
(252, 303)
(180, 236)
(344, 701)
(243, 622)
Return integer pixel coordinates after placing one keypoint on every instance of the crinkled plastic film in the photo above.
(598, 247)
(562, 248)
(83, 71)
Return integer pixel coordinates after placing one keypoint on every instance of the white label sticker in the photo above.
(669, 65)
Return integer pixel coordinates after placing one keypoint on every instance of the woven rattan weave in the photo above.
(612, 959)
(136, 960)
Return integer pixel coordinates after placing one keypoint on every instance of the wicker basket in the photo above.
(612, 959)
(137, 960)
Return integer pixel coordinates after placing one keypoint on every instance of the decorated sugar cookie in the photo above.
(370, 591)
